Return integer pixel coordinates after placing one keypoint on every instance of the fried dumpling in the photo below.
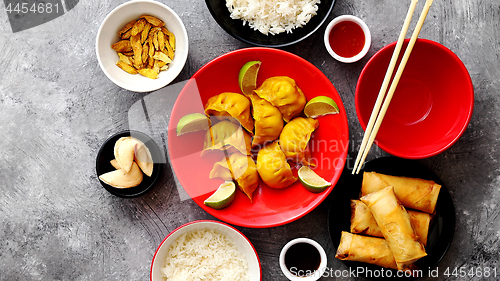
(283, 92)
(238, 167)
(231, 106)
(229, 136)
(268, 121)
(273, 168)
(294, 139)
(122, 179)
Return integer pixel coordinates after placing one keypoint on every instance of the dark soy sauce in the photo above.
(302, 259)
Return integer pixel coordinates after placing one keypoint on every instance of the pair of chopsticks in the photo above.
(378, 113)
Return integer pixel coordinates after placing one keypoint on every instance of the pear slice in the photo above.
(121, 179)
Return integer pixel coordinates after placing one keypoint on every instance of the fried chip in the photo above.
(148, 73)
(122, 46)
(153, 20)
(171, 37)
(156, 67)
(161, 63)
(127, 34)
(126, 27)
(162, 56)
(161, 41)
(128, 68)
(170, 51)
(135, 41)
(138, 27)
(155, 40)
(145, 51)
(125, 59)
(151, 62)
(145, 32)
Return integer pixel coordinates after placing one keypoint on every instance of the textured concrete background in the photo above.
(57, 107)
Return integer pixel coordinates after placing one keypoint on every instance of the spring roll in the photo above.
(367, 249)
(413, 193)
(363, 222)
(394, 222)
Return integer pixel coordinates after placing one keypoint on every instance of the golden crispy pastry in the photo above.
(294, 139)
(238, 167)
(229, 136)
(283, 92)
(231, 106)
(273, 168)
(268, 121)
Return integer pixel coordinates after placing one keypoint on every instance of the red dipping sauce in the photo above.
(347, 39)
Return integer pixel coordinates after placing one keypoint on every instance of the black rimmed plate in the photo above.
(248, 35)
(106, 154)
(440, 233)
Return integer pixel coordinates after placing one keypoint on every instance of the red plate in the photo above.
(270, 207)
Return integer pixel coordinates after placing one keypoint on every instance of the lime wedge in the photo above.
(311, 181)
(320, 106)
(192, 122)
(247, 78)
(222, 197)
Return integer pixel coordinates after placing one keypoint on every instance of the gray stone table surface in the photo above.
(57, 107)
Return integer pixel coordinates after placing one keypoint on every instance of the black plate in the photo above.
(246, 34)
(349, 186)
(106, 154)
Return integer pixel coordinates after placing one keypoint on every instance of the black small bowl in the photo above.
(106, 154)
(248, 35)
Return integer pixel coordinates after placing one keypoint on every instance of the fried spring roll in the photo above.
(363, 222)
(413, 193)
(367, 249)
(394, 222)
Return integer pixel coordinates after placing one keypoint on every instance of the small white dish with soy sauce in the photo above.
(303, 259)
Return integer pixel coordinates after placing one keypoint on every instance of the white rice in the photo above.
(273, 16)
(205, 255)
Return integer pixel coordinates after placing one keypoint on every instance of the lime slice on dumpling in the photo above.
(222, 197)
(247, 77)
(192, 122)
(320, 106)
(312, 181)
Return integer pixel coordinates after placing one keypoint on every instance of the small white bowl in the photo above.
(107, 35)
(360, 23)
(244, 246)
(313, 277)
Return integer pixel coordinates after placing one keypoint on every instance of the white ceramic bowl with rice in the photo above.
(108, 35)
(185, 247)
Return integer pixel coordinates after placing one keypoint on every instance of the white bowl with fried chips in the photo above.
(108, 35)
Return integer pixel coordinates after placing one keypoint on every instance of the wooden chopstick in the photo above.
(385, 83)
(372, 132)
